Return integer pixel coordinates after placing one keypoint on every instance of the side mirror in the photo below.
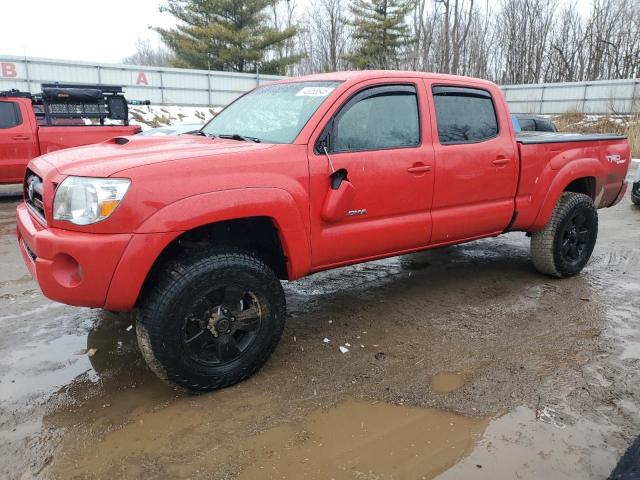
(337, 177)
(339, 197)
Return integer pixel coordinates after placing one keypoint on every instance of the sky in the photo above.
(102, 31)
(91, 30)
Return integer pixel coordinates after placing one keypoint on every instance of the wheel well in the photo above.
(256, 235)
(586, 185)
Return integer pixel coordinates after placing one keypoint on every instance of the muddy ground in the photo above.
(463, 362)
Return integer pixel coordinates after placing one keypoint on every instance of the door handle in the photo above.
(500, 161)
(20, 137)
(419, 168)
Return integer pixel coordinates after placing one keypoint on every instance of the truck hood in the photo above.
(122, 153)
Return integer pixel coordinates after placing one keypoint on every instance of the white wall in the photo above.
(162, 86)
(174, 86)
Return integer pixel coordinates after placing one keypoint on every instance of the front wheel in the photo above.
(211, 320)
(564, 246)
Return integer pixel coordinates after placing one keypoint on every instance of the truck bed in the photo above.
(550, 161)
(529, 138)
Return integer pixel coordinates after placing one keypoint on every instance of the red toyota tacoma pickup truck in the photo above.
(302, 175)
(32, 125)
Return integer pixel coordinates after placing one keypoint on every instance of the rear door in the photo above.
(18, 144)
(377, 133)
(476, 163)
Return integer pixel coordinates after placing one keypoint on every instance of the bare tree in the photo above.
(283, 17)
(566, 59)
(524, 27)
(606, 44)
(148, 54)
(513, 41)
(325, 37)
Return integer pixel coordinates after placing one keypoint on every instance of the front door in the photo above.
(376, 133)
(477, 164)
(17, 143)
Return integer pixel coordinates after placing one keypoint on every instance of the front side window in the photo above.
(464, 115)
(378, 118)
(9, 115)
(275, 113)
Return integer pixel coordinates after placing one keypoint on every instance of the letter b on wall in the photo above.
(8, 70)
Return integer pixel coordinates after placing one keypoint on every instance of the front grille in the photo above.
(33, 193)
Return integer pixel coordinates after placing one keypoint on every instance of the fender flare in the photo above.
(168, 223)
(206, 208)
(571, 171)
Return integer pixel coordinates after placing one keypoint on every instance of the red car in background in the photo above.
(32, 125)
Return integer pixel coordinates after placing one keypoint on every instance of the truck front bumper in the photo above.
(70, 267)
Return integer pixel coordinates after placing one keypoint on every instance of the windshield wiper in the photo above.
(237, 136)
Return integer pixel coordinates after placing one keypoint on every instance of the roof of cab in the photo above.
(361, 75)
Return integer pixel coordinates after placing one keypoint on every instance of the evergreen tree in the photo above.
(380, 33)
(228, 35)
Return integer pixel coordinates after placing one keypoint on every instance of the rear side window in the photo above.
(9, 115)
(464, 115)
(544, 125)
(378, 118)
(527, 124)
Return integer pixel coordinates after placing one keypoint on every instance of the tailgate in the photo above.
(615, 155)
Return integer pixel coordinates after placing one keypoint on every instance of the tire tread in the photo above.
(157, 298)
(542, 242)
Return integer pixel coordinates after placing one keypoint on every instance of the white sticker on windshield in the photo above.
(315, 91)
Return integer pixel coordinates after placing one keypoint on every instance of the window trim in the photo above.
(327, 130)
(472, 92)
(17, 113)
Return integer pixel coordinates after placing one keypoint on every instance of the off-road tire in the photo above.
(171, 290)
(546, 249)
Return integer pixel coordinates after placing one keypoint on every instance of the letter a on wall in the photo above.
(8, 70)
(142, 79)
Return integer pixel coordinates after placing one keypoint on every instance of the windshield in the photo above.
(275, 113)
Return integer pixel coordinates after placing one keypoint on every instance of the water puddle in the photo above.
(445, 382)
(364, 441)
(542, 445)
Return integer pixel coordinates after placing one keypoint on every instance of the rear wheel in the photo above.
(211, 320)
(564, 246)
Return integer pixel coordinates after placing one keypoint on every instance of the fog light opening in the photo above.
(66, 270)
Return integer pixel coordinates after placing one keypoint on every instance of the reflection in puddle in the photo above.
(445, 382)
(519, 445)
(363, 440)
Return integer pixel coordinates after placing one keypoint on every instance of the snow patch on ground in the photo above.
(153, 116)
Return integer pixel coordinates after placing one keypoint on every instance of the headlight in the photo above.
(83, 200)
